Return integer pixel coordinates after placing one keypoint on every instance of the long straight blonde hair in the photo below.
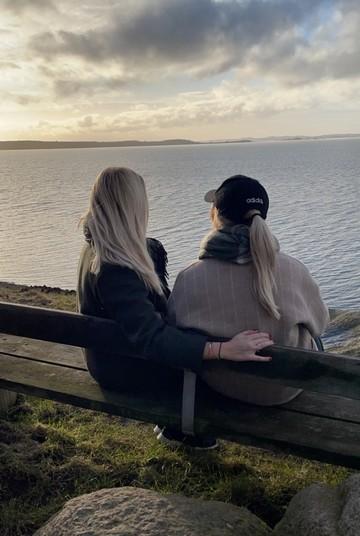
(263, 248)
(117, 221)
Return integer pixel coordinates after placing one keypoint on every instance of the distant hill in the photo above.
(34, 144)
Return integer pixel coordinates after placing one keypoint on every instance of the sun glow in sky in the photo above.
(199, 69)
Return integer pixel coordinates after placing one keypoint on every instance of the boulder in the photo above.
(321, 510)
(134, 512)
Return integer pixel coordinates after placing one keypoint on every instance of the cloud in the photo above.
(203, 37)
(8, 65)
(87, 122)
(68, 87)
(22, 99)
(19, 6)
(227, 103)
(76, 80)
(332, 51)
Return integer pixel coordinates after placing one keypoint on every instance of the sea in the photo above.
(313, 185)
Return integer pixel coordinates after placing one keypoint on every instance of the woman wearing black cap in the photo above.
(242, 281)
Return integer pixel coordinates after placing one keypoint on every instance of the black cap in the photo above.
(237, 195)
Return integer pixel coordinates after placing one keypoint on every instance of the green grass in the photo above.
(51, 452)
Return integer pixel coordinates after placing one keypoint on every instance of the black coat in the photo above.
(118, 293)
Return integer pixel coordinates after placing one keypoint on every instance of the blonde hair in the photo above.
(263, 247)
(117, 221)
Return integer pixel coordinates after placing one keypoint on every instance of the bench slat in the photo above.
(309, 436)
(42, 350)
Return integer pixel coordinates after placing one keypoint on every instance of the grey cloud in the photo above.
(21, 99)
(205, 37)
(24, 100)
(68, 82)
(19, 6)
(87, 122)
(68, 87)
(8, 65)
(300, 63)
(181, 32)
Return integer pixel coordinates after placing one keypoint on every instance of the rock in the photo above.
(133, 512)
(321, 510)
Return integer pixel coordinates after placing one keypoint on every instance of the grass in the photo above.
(51, 452)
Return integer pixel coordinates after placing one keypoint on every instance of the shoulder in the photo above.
(192, 267)
(289, 263)
(118, 273)
(286, 259)
(198, 270)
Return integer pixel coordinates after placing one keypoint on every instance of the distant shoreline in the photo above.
(17, 145)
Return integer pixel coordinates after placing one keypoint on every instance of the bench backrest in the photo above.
(310, 370)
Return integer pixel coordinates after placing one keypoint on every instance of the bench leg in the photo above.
(7, 399)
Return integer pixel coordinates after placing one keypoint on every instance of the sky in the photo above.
(196, 69)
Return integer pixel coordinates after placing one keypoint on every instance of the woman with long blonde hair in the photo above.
(242, 281)
(117, 279)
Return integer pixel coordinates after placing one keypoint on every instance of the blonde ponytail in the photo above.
(263, 251)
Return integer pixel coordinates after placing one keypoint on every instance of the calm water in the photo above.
(314, 189)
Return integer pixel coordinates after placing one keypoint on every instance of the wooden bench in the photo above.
(40, 356)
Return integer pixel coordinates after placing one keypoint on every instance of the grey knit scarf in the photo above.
(229, 244)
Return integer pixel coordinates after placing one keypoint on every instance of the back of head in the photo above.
(117, 221)
(243, 200)
(236, 196)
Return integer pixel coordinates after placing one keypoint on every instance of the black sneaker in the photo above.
(174, 438)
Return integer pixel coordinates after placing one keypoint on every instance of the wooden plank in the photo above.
(58, 326)
(313, 437)
(320, 404)
(42, 350)
(313, 371)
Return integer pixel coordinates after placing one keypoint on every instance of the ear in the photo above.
(214, 216)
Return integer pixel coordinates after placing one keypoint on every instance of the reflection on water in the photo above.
(314, 189)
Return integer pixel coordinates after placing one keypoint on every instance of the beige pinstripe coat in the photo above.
(216, 297)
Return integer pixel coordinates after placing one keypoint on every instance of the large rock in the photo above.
(320, 510)
(139, 512)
